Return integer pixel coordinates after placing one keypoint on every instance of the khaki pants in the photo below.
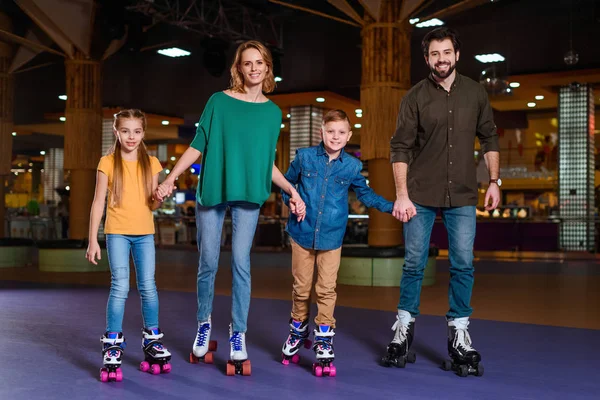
(303, 267)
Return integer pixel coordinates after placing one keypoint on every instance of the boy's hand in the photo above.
(404, 209)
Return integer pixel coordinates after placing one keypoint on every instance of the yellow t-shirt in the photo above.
(133, 216)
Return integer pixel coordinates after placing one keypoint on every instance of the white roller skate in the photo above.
(323, 347)
(297, 338)
(238, 362)
(203, 346)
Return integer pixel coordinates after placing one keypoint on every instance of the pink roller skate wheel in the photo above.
(318, 371)
(166, 368)
(332, 371)
(112, 376)
(144, 366)
(119, 375)
(103, 375)
(295, 358)
(155, 369)
(284, 360)
(326, 371)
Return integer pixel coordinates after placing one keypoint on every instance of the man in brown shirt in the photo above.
(432, 153)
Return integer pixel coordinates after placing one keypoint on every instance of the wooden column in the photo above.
(83, 138)
(6, 117)
(385, 79)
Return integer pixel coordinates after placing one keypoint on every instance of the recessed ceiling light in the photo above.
(63, 97)
(531, 104)
(278, 79)
(282, 126)
(320, 99)
(489, 58)
(165, 122)
(430, 22)
(514, 84)
(413, 21)
(539, 97)
(358, 111)
(43, 152)
(174, 52)
(63, 119)
(357, 126)
(14, 133)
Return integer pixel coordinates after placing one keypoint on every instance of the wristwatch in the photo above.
(496, 181)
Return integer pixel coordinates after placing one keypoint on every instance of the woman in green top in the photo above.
(237, 137)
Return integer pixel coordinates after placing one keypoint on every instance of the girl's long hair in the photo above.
(237, 78)
(143, 159)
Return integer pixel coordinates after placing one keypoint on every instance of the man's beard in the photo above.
(443, 75)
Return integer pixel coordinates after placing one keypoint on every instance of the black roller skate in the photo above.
(113, 344)
(323, 347)
(297, 338)
(464, 359)
(238, 363)
(398, 351)
(156, 355)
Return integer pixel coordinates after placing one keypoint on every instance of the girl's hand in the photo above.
(93, 252)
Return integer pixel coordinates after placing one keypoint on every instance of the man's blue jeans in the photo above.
(460, 224)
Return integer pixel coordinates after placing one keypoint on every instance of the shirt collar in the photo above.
(457, 79)
(321, 151)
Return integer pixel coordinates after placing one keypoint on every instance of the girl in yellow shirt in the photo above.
(130, 176)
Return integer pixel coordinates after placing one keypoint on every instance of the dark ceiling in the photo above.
(317, 53)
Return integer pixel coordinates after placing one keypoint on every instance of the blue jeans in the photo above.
(460, 224)
(209, 220)
(119, 247)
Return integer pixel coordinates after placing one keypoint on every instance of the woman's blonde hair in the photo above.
(237, 78)
(143, 159)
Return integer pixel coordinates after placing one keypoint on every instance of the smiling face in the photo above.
(335, 135)
(253, 67)
(442, 58)
(130, 134)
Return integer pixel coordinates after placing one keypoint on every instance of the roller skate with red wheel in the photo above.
(238, 363)
(464, 359)
(203, 346)
(297, 338)
(323, 348)
(157, 356)
(398, 351)
(113, 344)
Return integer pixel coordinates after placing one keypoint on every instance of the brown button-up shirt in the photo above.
(435, 136)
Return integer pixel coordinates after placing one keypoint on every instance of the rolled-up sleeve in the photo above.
(486, 128)
(402, 143)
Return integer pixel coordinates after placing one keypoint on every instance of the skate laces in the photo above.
(401, 331)
(324, 342)
(203, 334)
(462, 340)
(236, 341)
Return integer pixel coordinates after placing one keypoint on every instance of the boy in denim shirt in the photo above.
(323, 175)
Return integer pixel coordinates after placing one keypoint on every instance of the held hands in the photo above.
(164, 190)
(297, 206)
(93, 252)
(404, 209)
(493, 194)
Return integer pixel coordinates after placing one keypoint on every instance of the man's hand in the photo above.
(493, 195)
(404, 209)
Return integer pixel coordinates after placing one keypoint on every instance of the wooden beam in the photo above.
(464, 5)
(28, 43)
(372, 7)
(315, 12)
(347, 9)
(408, 7)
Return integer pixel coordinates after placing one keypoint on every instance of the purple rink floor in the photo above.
(51, 350)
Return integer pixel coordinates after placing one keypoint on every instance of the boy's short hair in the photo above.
(336, 115)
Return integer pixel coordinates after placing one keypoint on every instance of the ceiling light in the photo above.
(358, 111)
(196, 124)
(320, 99)
(514, 84)
(289, 115)
(173, 158)
(282, 126)
(532, 104)
(14, 133)
(413, 21)
(539, 97)
(173, 52)
(278, 79)
(63, 119)
(165, 122)
(429, 22)
(63, 97)
(43, 152)
(489, 58)
(357, 126)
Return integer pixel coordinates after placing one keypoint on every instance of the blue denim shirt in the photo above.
(324, 185)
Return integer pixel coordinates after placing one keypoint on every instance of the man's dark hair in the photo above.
(440, 34)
